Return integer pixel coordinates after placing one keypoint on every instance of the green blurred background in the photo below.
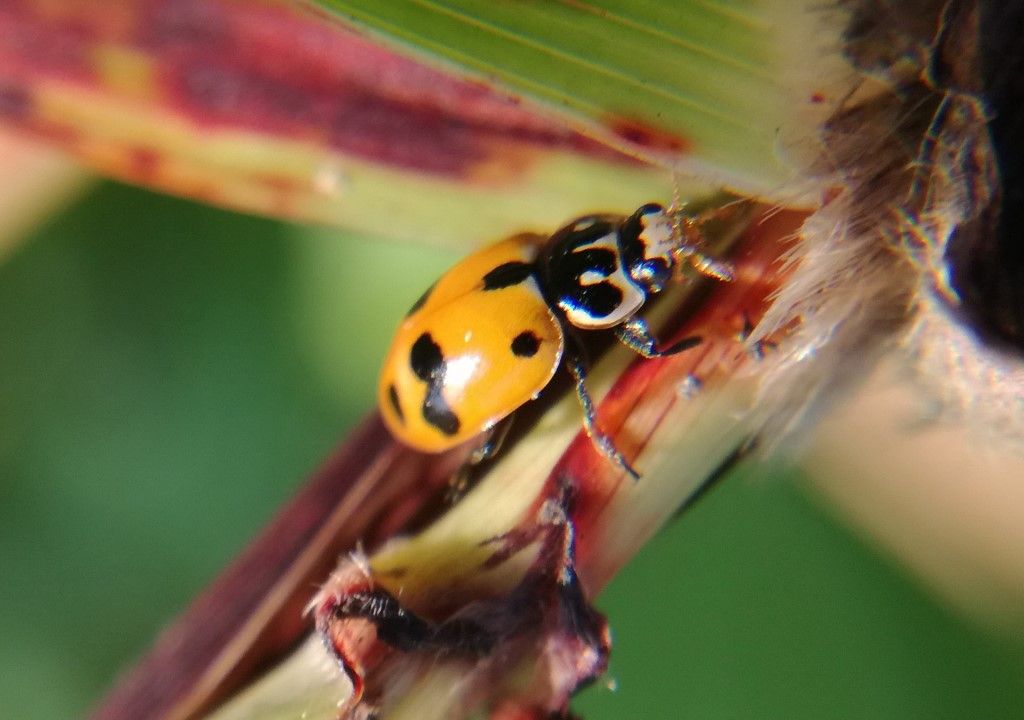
(171, 372)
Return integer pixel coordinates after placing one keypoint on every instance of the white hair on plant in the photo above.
(904, 168)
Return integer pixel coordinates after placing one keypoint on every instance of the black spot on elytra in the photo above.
(421, 301)
(393, 398)
(507, 274)
(426, 359)
(525, 344)
(427, 362)
(437, 413)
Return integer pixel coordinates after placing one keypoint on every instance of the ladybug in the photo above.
(490, 334)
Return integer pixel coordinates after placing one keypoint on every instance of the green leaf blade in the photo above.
(690, 85)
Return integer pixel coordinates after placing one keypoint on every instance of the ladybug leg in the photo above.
(709, 266)
(635, 334)
(460, 482)
(688, 228)
(602, 441)
(493, 442)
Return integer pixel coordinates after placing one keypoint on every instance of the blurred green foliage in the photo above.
(169, 374)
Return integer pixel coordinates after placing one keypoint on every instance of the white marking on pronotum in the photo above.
(658, 236)
(633, 297)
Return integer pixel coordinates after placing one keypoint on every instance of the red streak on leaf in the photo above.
(29, 47)
(145, 163)
(269, 68)
(643, 135)
(17, 108)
